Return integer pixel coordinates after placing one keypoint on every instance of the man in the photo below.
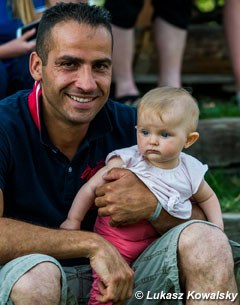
(52, 140)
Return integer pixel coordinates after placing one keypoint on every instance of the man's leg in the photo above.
(206, 264)
(236, 256)
(40, 285)
(33, 279)
(198, 254)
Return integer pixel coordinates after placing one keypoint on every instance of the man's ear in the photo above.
(35, 66)
(192, 138)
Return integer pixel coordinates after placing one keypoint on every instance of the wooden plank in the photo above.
(206, 51)
(188, 78)
(219, 142)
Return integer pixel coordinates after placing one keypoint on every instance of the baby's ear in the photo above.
(192, 138)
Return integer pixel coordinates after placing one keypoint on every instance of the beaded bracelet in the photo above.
(156, 213)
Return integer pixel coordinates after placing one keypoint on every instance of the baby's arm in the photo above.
(208, 201)
(86, 195)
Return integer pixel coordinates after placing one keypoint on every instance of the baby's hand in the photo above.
(71, 225)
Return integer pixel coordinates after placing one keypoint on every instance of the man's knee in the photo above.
(202, 245)
(205, 259)
(41, 283)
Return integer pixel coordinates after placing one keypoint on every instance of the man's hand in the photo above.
(127, 200)
(115, 274)
(124, 198)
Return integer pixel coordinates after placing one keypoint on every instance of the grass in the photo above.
(217, 108)
(226, 184)
(224, 181)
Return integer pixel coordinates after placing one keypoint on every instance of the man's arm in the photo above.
(166, 221)
(18, 238)
(127, 200)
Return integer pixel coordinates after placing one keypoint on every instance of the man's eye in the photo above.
(101, 67)
(68, 65)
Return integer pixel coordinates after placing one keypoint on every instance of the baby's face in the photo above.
(160, 140)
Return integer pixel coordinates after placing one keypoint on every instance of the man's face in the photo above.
(76, 79)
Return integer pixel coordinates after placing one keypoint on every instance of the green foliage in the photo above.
(226, 184)
(217, 108)
(208, 5)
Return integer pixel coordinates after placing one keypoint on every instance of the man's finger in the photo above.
(103, 211)
(114, 174)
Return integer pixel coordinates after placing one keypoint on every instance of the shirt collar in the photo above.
(34, 104)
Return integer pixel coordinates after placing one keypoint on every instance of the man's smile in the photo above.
(80, 99)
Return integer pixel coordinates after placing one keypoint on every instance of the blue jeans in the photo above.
(14, 75)
(3, 81)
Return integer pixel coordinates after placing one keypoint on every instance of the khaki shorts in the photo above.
(156, 270)
(76, 281)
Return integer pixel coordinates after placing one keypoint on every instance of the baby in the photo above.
(166, 124)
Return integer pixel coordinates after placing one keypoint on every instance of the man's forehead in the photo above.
(74, 25)
(73, 33)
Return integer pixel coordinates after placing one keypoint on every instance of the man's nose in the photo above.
(85, 79)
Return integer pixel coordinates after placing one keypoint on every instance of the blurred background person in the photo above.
(232, 28)
(14, 52)
(170, 21)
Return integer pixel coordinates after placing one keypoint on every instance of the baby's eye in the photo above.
(165, 134)
(144, 132)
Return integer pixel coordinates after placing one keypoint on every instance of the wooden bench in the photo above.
(206, 58)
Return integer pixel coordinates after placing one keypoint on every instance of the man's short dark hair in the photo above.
(80, 12)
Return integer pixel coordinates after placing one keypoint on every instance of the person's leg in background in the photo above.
(170, 27)
(123, 50)
(170, 44)
(232, 28)
(124, 15)
(170, 32)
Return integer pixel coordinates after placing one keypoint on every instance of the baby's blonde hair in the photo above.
(175, 104)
